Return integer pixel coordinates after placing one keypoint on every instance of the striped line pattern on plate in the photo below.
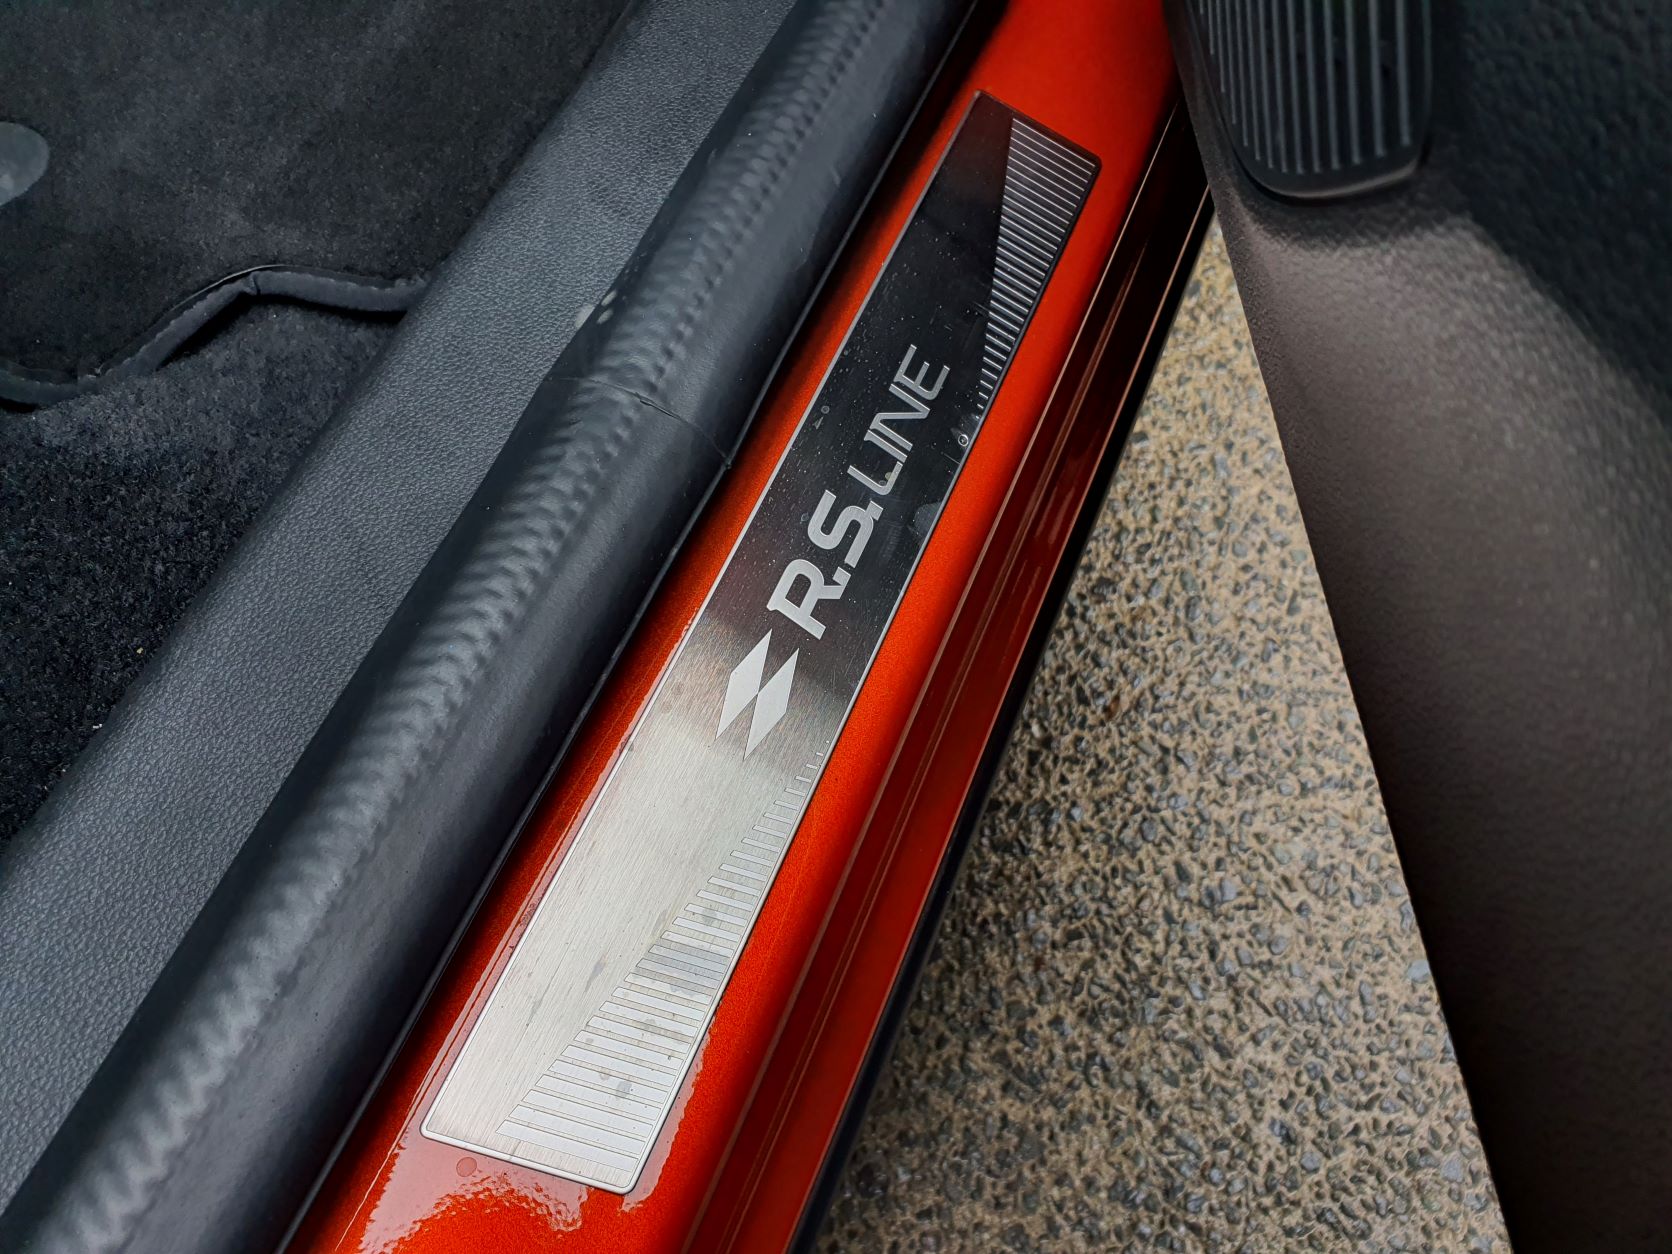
(604, 1098)
(1045, 184)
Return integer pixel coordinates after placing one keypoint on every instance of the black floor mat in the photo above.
(189, 141)
(193, 139)
(117, 506)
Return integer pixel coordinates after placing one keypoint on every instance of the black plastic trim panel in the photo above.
(1320, 98)
(225, 1097)
(1470, 373)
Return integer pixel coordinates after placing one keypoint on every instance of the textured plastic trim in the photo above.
(1321, 98)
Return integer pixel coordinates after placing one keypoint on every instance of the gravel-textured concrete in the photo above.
(1179, 1001)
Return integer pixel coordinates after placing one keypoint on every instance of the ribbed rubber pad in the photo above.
(1321, 97)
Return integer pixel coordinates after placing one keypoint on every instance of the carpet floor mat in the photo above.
(116, 507)
(327, 152)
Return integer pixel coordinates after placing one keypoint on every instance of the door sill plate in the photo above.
(593, 1027)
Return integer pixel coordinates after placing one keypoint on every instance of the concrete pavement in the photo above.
(1179, 1001)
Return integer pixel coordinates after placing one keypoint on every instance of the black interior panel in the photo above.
(192, 139)
(1318, 98)
(1472, 380)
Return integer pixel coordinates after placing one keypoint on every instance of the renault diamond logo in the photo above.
(745, 687)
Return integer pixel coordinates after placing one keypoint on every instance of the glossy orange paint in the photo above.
(734, 1169)
(934, 788)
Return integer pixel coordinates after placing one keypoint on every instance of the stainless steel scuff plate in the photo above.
(585, 1041)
